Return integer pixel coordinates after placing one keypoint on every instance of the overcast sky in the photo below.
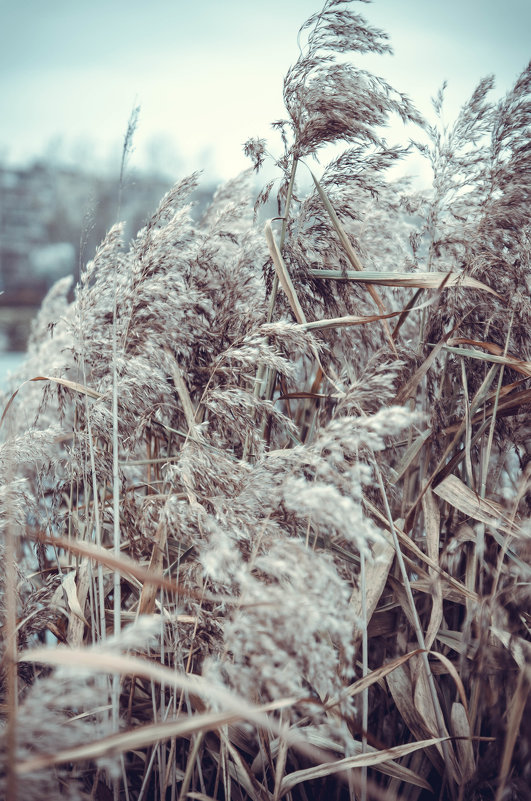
(209, 74)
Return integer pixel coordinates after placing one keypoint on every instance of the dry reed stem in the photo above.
(353, 258)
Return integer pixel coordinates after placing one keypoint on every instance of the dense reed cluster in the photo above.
(265, 495)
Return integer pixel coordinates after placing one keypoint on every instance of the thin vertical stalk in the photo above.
(514, 719)
(486, 454)
(195, 745)
(287, 206)
(10, 622)
(97, 524)
(271, 374)
(418, 628)
(263, 375)
(117, 608)
(117, 596)
(365, 670)
(117, 605)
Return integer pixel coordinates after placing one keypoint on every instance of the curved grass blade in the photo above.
(353, 319)
(457, 494)
(355, 747)
(409, 308)
(357, 761)
(374, 676)
(420, 280)
(283, 274)
(62, 381)
(139, 737)
(519, 365)
(409, 456)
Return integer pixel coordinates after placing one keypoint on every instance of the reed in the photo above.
(267, 492)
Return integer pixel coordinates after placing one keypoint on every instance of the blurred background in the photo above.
(207, 76)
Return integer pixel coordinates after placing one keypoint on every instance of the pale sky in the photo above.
(208, 75)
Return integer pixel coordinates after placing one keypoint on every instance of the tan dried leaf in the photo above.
(465, 751)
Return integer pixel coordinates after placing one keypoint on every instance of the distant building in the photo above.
(51, 221)
(26, 203)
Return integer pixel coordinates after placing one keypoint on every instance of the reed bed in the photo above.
(265, 491)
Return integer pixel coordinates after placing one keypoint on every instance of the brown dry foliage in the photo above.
(308, 509)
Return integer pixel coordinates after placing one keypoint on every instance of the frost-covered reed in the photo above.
(320, 465)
